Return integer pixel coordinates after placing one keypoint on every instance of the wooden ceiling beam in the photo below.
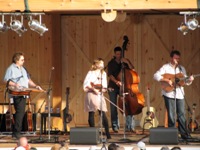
(97, 5)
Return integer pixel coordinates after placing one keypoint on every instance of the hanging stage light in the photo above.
(17, 26)
(193, 24)
(3, 25)
(183, 28)
(36, 26)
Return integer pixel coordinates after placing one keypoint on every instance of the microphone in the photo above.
(176, 62)
(179, 66)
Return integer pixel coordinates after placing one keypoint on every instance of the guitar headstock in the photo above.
(67, 90)
(148, 87)
(126, 40)
(194, 106)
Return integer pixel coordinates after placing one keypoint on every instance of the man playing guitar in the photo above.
(174, 99)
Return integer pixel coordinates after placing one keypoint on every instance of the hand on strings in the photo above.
(124, 60)
(91, 89)
(38, 87)
(127, 61)
(17, 85)
(191, 78)
(169, 82)
(95, 91)
(118, 83)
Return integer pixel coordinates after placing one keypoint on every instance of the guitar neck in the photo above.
(197, 75)
(29, 105)
(148, 99)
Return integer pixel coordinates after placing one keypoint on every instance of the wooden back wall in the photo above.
(73, 42)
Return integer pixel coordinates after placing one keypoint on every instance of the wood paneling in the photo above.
(93, 5)
(73, 42)
(41, 53)
(151, 38)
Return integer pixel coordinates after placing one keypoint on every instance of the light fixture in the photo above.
(18, 26)
(183, 28)
(3, 25)
(37, 26)
(193, 24)
(109, 15)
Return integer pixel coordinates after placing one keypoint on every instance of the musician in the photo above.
(173, 67)
(95, 84)
(17, 76)
(114, 68)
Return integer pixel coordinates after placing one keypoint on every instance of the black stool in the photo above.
(44, 118)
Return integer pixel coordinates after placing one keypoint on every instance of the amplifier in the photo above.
(84, 135)
(163, 135)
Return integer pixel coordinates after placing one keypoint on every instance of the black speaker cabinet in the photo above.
(84, 135)
(163, 135)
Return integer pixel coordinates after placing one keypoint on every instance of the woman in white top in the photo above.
(95, 84)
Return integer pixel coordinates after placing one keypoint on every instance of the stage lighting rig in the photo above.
(190, 24)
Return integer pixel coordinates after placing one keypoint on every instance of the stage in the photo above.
(127, 140)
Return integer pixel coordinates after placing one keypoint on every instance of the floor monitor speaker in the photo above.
(84, 135)
(163, 135)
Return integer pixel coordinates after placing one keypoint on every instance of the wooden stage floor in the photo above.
(127, 140)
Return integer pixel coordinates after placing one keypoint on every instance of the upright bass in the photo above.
(133, 98)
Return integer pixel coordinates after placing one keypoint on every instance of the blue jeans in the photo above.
(113, 109)
(180, 106)
(130, 123)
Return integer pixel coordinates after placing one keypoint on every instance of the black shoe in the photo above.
(108, 136)
(16, 135)
(186, 137)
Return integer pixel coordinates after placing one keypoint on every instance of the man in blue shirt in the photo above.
(17, 77)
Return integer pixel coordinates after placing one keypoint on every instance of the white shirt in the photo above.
(93, 101)
(169, 69)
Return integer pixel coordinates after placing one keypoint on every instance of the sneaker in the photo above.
(115, 130)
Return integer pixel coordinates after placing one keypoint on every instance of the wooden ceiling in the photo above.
(97, 6)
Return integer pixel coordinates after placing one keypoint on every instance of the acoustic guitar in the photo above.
(179, 79)
(29, 117)
(148, 119)
(9, 118)
(193, 125)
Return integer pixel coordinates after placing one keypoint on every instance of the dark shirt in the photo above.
(114, 69)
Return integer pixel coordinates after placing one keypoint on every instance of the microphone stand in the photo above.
(102, 140)
(41, 140)
(49, 102)
(122, 91)
(175, 83)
